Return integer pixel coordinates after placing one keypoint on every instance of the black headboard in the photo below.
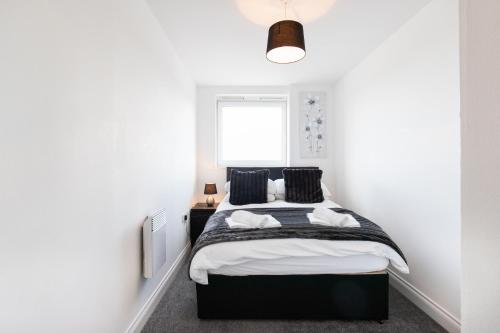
(274, 172)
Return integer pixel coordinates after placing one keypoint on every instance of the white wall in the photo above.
(207, 169)
(397, 151)
(480, 49)
(96, 132)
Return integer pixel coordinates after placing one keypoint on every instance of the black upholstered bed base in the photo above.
(329, 296)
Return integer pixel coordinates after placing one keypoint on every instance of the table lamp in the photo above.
(210, 188)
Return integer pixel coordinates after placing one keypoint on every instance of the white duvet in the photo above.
(292, 255)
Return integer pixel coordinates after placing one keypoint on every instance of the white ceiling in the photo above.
(223, 42)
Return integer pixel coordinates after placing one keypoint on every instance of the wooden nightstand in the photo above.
(198, 217)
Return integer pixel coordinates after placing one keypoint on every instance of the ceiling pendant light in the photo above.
(285, 42)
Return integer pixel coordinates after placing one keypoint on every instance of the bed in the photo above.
(293, 272)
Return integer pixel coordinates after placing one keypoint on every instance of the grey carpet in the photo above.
(176, 312)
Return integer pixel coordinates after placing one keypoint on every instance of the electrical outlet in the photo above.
(185, 218)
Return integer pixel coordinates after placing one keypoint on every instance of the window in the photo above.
(252, 131)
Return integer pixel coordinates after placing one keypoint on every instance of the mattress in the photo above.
(353, 264)
(291, 255)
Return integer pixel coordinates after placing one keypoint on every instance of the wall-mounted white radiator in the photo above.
(154, 240)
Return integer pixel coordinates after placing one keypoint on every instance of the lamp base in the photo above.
(210, 201)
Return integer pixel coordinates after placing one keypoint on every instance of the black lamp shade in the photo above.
(210, 188)
(285, 42)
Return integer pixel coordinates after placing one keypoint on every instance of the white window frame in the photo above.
(249, 100)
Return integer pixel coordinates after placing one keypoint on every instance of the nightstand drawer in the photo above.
(201, 213)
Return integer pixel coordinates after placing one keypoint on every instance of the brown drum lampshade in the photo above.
(210, 188)
(285, 42)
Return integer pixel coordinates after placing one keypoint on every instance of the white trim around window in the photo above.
(272, 136)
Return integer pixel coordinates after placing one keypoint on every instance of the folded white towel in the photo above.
(328, 217)
(244, 219)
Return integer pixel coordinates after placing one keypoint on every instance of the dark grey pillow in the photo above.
(248, 187)
(303, 185)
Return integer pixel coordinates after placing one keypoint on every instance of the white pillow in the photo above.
(326, 193)
(280, 190)
(271, 187)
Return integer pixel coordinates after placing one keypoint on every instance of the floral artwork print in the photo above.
(313, 125)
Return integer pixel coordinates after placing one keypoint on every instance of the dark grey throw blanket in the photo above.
(295, 224)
